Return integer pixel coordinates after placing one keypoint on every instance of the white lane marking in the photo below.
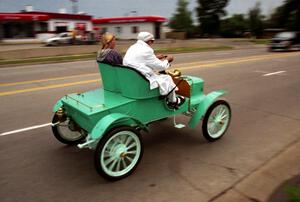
(274, 73)
(25, 129)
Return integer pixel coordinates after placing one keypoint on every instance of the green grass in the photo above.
(293, 193)
(260, 41)
(66, 58)
(90, 56)
(256, 41)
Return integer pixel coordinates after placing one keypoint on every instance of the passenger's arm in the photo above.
(153, 62)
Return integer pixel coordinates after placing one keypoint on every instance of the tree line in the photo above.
(213, 21)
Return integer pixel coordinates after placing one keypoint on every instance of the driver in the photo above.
(141, 57)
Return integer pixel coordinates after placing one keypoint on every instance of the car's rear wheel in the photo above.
(118, 153)
(67, 131)
(216, 120)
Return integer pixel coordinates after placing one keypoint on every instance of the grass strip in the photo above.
(65, 58)
(256, 41)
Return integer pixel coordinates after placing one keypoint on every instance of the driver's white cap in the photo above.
(145, 36)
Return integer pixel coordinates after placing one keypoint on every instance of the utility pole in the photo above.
(74, 6)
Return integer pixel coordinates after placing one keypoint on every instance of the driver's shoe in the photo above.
(175, 105)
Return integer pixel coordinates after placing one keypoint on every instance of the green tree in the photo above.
(256, 20)
(234, 26)
(182, 21)
(286, 16)
(209, 14)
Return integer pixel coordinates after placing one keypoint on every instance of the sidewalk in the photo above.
(261, 184)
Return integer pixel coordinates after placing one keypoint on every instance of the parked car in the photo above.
(62, 38)
(66, 38)
(285, 41)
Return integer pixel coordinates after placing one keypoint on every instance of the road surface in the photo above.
(178, 165)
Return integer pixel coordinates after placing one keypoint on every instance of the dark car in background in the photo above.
(285, 41)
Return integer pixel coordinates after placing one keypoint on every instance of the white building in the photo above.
(127, 27)
(40, 25)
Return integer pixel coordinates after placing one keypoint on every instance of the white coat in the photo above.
(141, 57)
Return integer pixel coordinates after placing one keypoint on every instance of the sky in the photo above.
(111, 8)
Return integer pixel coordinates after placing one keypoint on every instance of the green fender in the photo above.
(203, 106)
(114, 120)
(57, 106)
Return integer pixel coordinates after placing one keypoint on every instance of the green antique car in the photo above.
(109, 119)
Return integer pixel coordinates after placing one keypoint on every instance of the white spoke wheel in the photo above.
(64, 134)
(216, 120)
(118, 153)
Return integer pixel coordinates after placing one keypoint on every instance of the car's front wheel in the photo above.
(216, 120)
(118, 153)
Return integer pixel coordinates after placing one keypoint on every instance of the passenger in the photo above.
(108, 53)
(141, 57)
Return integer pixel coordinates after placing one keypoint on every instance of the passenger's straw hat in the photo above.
(107, 38)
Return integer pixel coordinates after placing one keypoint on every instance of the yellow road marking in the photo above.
(247, 57)
(49, 79)
(193, 66)
(47, 87)
(215, 63)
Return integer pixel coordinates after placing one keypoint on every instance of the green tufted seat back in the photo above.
(127, 81)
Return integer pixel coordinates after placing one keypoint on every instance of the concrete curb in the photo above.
(260, 184)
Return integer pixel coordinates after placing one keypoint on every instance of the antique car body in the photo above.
(109, 119)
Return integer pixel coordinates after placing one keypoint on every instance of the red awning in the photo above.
(23, 17)
(127, 19)
(63, 15)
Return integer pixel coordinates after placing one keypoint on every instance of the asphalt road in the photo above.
(178, 165)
